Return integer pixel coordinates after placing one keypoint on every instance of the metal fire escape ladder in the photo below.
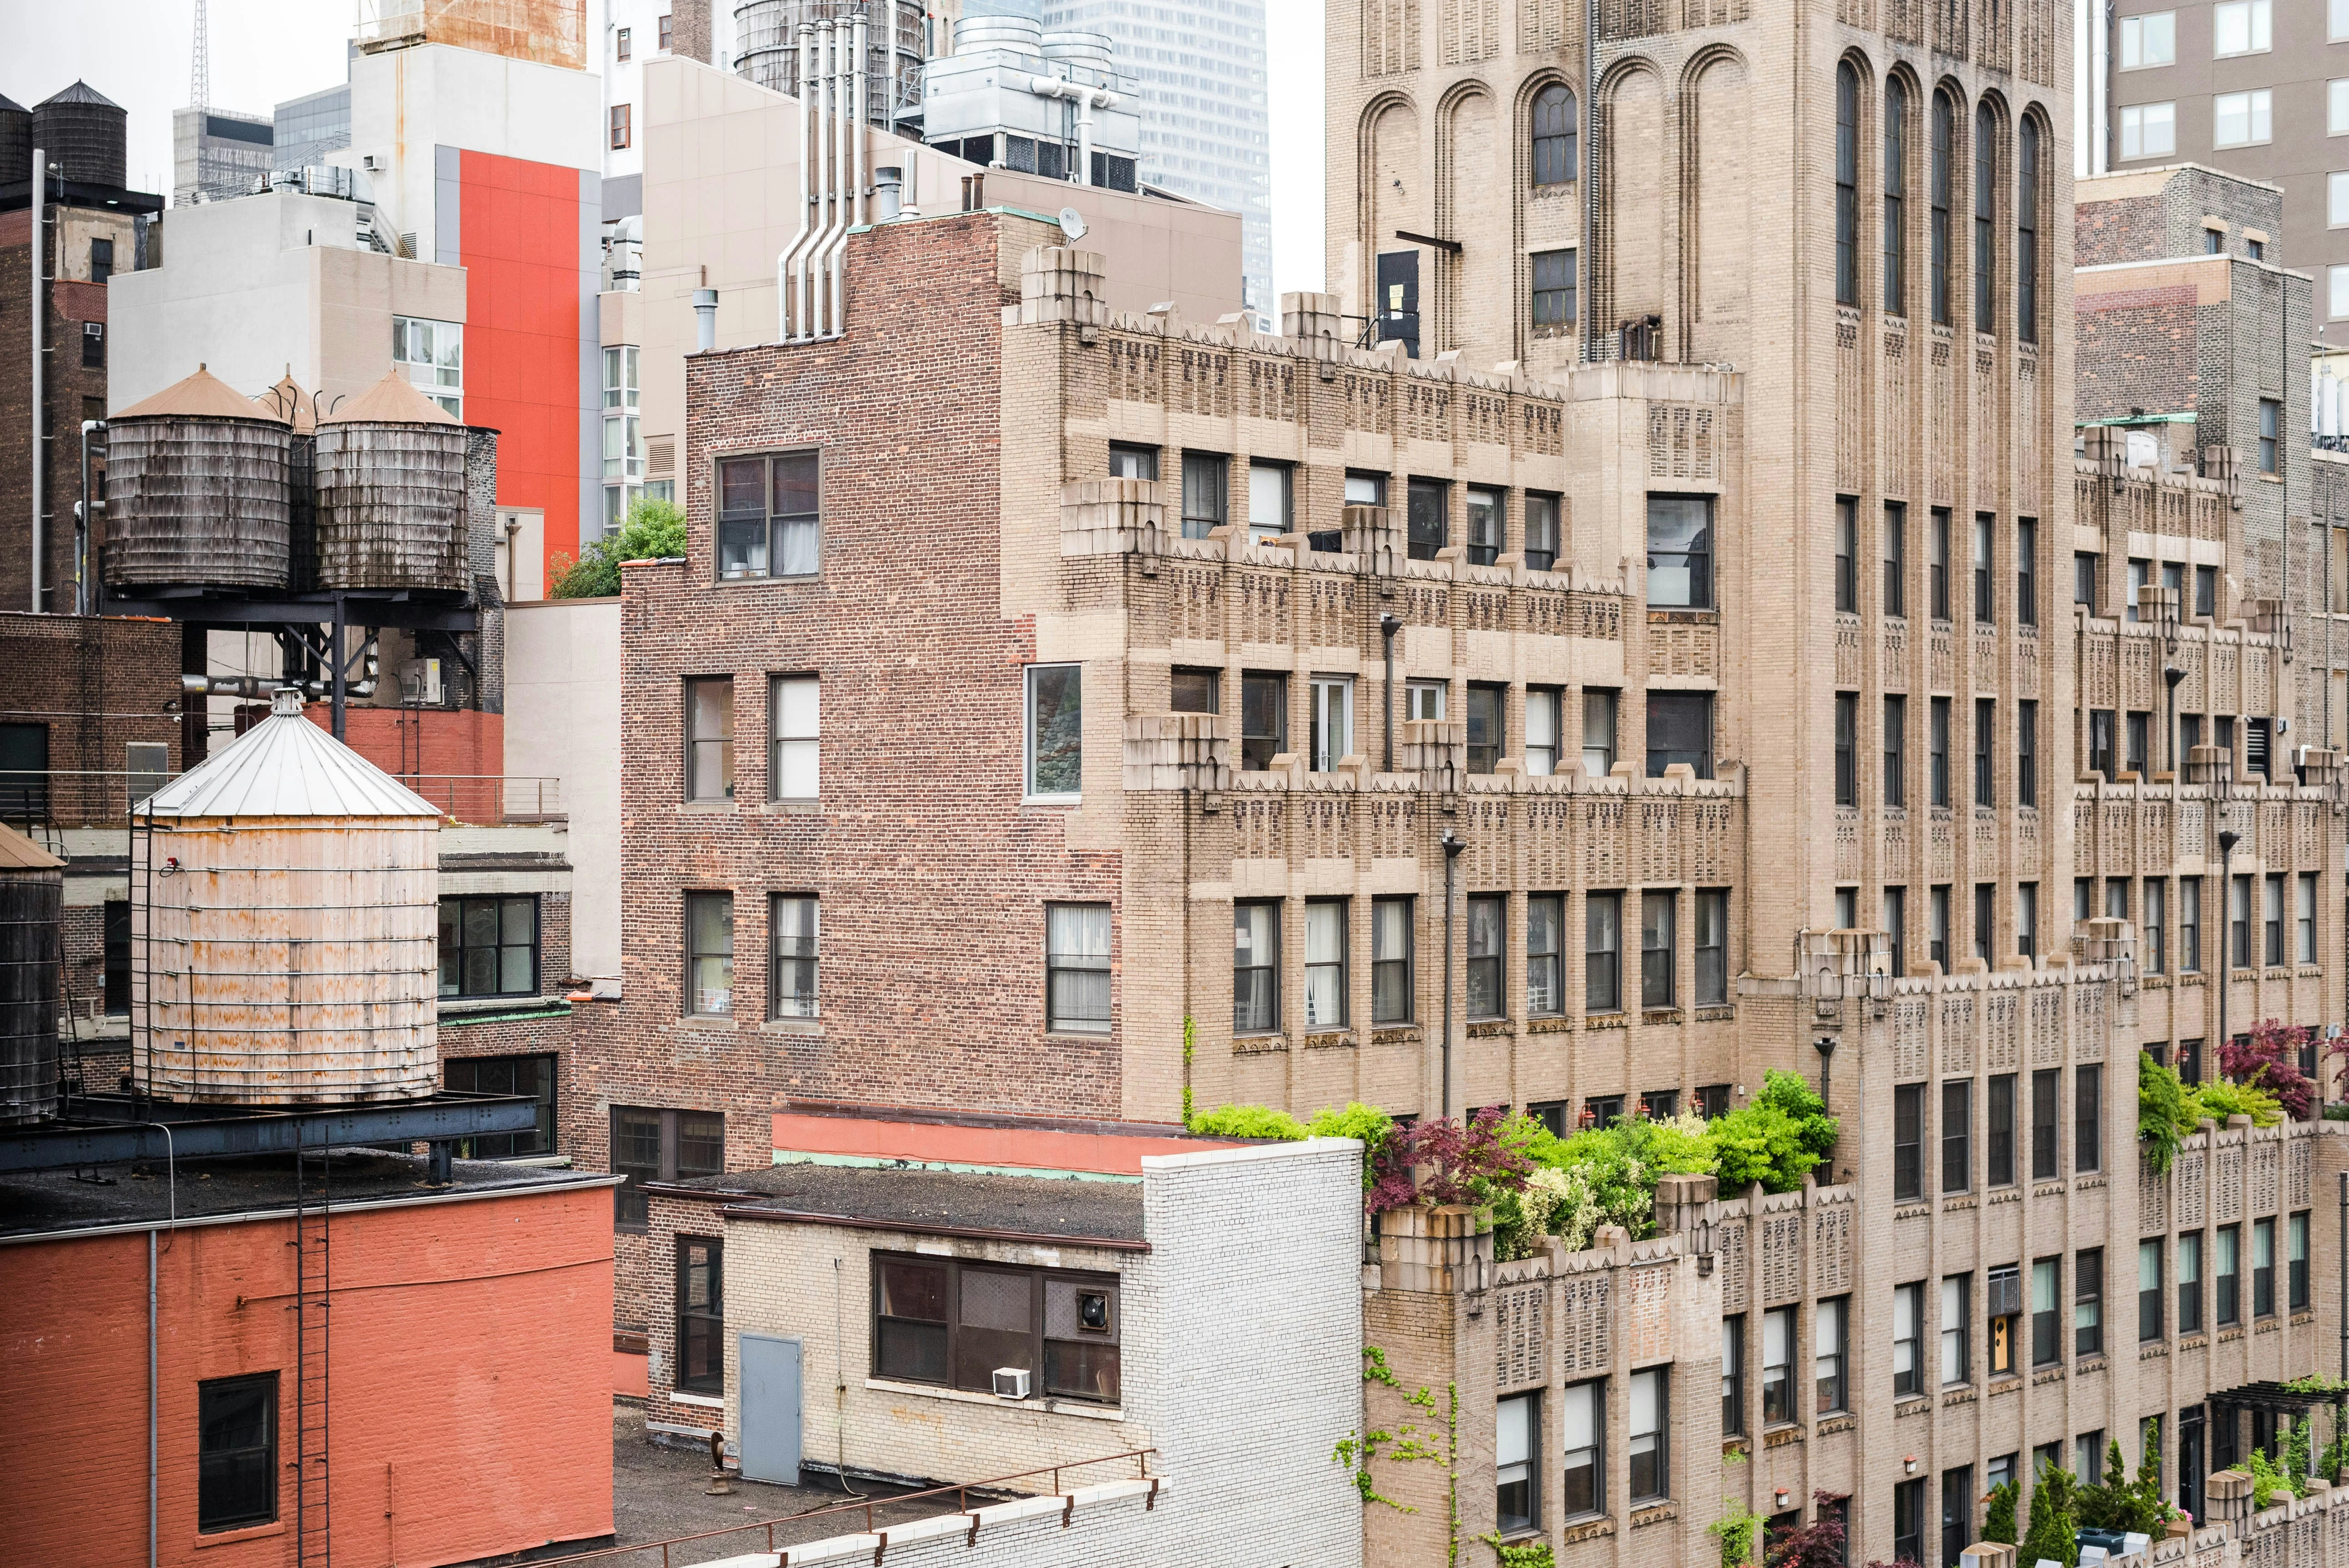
(312, 1187)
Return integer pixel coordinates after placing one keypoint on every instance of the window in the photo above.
(1908, 1519)
(1056, 742)
(2157, 919)
(1541, 532)
(2149, 1290)
(2100, 742)
(1907, 1141)
(1777, 1366)
(115, 988)
(2026, 562)
(1957, 1512)
(2000, 1108)
(1846, 185)
(1944, 145)
(1986, 179)
(431, 355)
(1555, 128)
(1957, 1135)
(1488, 920)
(1391, 986)
(2241, 118)
(700, 1314)
(1938, 569)
(2083, 578)
(1264, 719)
(1680, 551)
(2264, 1303)
(1651, 1434)
(1846, 557)
(2304, 918)
(709, 954)
(1908, 1340)
(1896, 926)
(2026, 919)
(1517, 1468)
(2189, 1283)
(2150, 40)
(1487, 734)
(1602, 953)
(668, 33)
(2149, 130)
(2206, 592)
(1732, 1375)
(1542, 706)
(2004, 1288)
(1680, 730)
(792, 707)
(768, 516)
(1331, 735)
(1426, 502)
(1545, 988)
(1829, 1323)
(2336, 113)
(1555, 302)
(489, 947)
(1127, 461)
(620, 50)
(1896, 557)
(1939, 940)
(1658, 948)
(1197, 690)
(101, 263)
(1270, 501)
(528, 1075)
(1957, 1354)
(1937, 741)
(1896, 723)
(2296, 1260)
(2088, 1303)
(1984, 610)
(236, 1452)
(2230, 1274)
(1598, 732)
(1076, 967)
(1206, 493)
(1712, 947)
(1581, 1437)
(650, 1144)
(1895, 187)
(2135, 732)
(2238, 923)
(2087, 1117)
(2240, 27)
(2046, 1340)
(1255, 968)
(1985, 918)
(2026, 241)
(624, 449)
(952, 1322)
(2189, 924)
(93, 345)
(2189, 1060)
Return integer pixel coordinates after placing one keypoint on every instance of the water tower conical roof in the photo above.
(287, 766)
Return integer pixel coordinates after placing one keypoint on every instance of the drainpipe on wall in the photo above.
(37, 296)
(150, 1398)
(1452, 846)
(1388, 626)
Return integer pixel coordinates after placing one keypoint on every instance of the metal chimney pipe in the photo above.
(859, 123)
(888, 193)
(705, 320)
(789, 267)
(37, 297)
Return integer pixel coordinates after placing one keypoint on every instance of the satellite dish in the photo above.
(1072, 223)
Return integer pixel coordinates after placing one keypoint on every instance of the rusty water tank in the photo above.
(284, 914)
(390, 472)
(198, 489)
(32, 912)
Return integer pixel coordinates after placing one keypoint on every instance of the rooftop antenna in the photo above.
(200, 87)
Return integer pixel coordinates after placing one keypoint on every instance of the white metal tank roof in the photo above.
(287, 766)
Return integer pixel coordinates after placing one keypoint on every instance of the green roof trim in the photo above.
(551, 1010)
(878, 1162)
(2186, 419)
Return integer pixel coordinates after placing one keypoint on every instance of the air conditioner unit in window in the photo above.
(1011, 1383)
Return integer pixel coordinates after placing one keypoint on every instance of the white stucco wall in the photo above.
(562, 721)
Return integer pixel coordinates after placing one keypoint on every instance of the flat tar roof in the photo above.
(933, 1202)
(55, 1202)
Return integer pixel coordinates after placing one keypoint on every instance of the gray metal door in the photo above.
(771, 1409)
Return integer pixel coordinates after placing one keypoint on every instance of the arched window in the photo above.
(1553, 135)
(1944, 132)
(1896, 191)
(2026, 233)
(1985, 213)
(1846, 184)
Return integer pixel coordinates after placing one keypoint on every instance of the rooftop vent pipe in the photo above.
(705, 320)
(790, 267)
(1087, 99)
(888, 193)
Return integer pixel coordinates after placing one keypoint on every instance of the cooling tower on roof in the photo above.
(390, 470)
(31, 909)
(285, 936)
(198, 489)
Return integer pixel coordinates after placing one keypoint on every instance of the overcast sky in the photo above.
(136, 52)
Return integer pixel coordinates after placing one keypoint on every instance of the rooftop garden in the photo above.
(2260, 1077)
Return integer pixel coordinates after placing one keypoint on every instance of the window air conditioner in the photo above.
(1011, 1383)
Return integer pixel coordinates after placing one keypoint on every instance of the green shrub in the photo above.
(1776, 1139)
(2054, 1527)
(654, 530)
(2220, 1099)
(2164, 1111)
(1247, 1121)
(1998, 1519)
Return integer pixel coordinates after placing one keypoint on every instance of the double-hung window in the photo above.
(1055, 732)
(2156, 924)
(2304, 918)
(793, 708)
(1598, 708)
(1543, 704)
(1712, 947)
(1487, 728)
(1076, 967)
(2087, 1117)
(1985, 605)
(1777, 1366)
(488, 946)
(768, 516)
(709, 738)
(1132, 461)
(655, 1145)
(1425, 504)
(1487, 920)
(1732, 1375)
(1602, 953)
(1516, 1464)
(1271, 501)
(2189, 1283)
(1985, 723)
(1264, 719)
(2001, 1151)
(1680, 731)
(1325, 963)
(2047, 1088)
(1651, 1434)
(1541, 532)
(700, 1314)
(2272, 911)
(1659, 947)
(1582, 1454)
(791, 928)
(2189, 924)
(1680, 552)
(1908, 1340)
(1895, 727)
(1555, 290)
(1255, 968)
(2149, 1291)
(1957, 1351)
(1937, 744)
(1486, 510)
(1545, 965)
(2296, 1240)
(1332, 721)
(236, 1452)
(2088, 1303)
(1846, 557)
(1957, 1135)
(1206, 492)
(1908, 1142)
(1896, 558)
(2230, 1272)
(1829, 1324)
(2263, 1299)
(709, 955)
(1391, 983)
(2046, 1324)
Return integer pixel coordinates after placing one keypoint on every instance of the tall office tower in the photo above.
(1205, 123)
(310, 126)
(2245, 85)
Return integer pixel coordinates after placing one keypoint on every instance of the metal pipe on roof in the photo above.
(790, 267)
(829, 206)
(37, 299)
(858, 125)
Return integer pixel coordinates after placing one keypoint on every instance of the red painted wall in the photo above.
(471, 1402)
(519, 239)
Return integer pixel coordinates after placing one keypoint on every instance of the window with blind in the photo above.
(1076, 968)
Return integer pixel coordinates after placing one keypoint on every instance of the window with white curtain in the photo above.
(1333, 721)
(791, 743)
(791, 977)
(1581, 1430)
(1541, 731)
(1325, 963)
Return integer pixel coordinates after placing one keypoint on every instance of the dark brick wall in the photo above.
(2134, 229)
(98, 683)
(931, 874)
(70, 391)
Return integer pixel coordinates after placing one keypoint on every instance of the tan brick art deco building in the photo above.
(1067, 711)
